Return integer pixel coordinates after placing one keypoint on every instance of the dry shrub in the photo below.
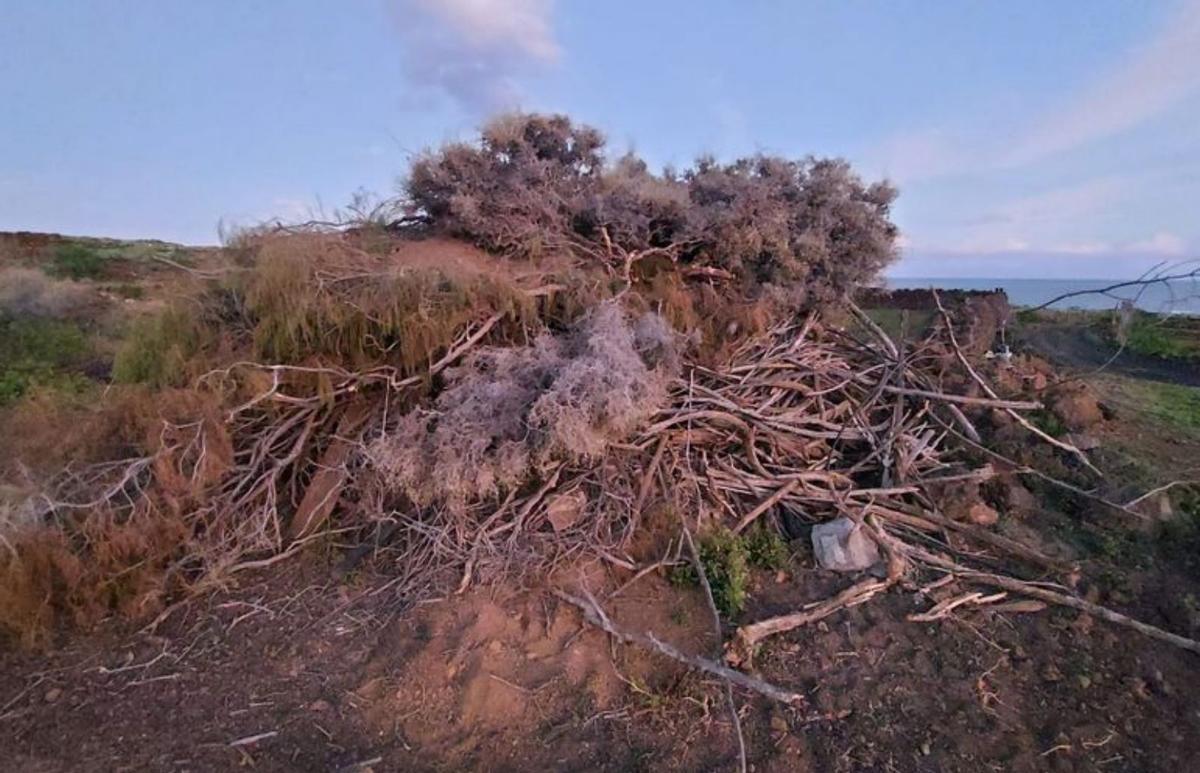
(535, 182)
(82, 569)
(49, 429)
(191, 445)
(517, 190)
(74, 563)
(25, 292)
(715, 324)
(809, 226)
(314, 294)
(509, 415)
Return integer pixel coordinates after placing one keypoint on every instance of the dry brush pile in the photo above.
(633, 341)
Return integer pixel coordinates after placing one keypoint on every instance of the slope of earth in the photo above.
(1083, 347)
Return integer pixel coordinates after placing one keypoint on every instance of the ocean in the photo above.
(1179, 297)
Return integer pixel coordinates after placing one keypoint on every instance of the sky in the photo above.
(1028, 139)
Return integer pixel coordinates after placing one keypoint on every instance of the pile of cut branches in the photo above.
(504, 414)
(810, 423)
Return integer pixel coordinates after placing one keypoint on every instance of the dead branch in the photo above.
(594, 614)
(1051, 596)
(750, 635)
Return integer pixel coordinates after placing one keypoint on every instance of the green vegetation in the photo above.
(40, 352)
(76, 261)
(1027, 316)
(1124, 548)
(1179, 538)
(1048, 422)
(1173, 403)
(723, 555)
(727, 559)
(157, 349)
(766, 549)
(128, 290)
(1164, 336)
(902, 324)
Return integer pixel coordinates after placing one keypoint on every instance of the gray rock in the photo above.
(842, 546)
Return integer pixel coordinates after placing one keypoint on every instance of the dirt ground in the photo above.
(296, 672)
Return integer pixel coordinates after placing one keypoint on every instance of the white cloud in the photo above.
(1162, 243)
(1153, 79)
(1081, 248)
(475, 50)
(1156, 78)
(1062, 204)
(522, 25)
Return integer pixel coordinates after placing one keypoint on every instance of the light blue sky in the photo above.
(1029, 138)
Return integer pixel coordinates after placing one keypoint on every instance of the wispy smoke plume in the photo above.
(474, 51)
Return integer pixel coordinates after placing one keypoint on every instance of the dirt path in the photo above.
(1082, 348)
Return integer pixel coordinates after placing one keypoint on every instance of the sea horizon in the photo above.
(1177, 297)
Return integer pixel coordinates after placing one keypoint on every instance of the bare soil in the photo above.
(296, 672)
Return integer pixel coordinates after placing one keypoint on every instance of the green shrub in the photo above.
(1048, 422)
(727, 567)
(157, 349)
(39, 352)
(75, 261)
(727, 559)
(128, 291)
(1158, 337)
(1027, 316)
(766, 548)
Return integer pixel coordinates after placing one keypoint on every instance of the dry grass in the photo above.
(315, 294)
(26, 292)
(81, 570)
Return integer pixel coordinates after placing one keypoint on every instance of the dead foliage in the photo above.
(315, 294)
(510, 415)
(536, 184)
(209, 451)
(25, 292)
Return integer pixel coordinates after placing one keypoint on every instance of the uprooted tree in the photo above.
(628, 341)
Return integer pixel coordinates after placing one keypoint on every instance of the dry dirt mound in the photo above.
(494, 676)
